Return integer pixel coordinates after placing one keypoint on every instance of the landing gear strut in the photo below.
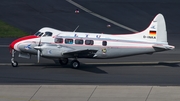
(13, 63)
(63, 61)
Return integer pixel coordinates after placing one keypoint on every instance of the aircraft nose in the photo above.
(12, 45)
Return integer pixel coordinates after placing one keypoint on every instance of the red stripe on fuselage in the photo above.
(21, 39)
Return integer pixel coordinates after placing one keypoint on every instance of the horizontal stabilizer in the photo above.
(167, 47)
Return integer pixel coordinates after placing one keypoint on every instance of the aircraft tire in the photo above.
(64, 61)
(15, 64)
(75, 64)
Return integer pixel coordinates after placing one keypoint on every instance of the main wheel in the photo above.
(63, 61)
(75, 64)
(15, 64)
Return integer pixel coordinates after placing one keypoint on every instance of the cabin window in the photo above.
(47, 34)
(58, 40)
(89, 42)
(78, 41)
(69, 41)
(104, 43)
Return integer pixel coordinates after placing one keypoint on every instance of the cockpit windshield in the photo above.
(38, 34)
(46, 34)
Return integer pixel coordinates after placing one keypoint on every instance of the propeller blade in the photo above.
(38, 55)
(38, 50)
(39, 42)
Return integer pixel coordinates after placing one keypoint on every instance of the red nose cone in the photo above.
(11, 46)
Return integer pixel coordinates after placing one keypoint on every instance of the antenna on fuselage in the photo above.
(76, 28)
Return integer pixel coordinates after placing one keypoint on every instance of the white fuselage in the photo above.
(107, 46)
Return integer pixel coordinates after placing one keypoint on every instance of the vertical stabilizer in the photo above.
(160, 27)
(157, 30)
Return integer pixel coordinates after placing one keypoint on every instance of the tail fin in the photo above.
(157, 28)
(156, 32)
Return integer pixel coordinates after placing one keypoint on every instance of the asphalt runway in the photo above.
(157, 69)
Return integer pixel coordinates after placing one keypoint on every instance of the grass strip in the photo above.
(7, 30)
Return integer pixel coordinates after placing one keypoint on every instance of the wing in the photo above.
(87, 53)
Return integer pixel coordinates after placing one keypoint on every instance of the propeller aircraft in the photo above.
(62, 45)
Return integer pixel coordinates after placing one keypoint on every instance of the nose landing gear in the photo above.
(13, 63)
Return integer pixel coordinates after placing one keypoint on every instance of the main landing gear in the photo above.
(13, 63)
(63, 61)
(75, 64)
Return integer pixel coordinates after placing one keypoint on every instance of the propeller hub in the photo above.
(37, 47)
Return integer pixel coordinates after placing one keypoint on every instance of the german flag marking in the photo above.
(152, 33)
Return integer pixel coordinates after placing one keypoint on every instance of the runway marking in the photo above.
(110, 63)
(4, 45)
(9, 64)
(135, 63)
(99, 16)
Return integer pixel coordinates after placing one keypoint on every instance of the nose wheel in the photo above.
(13, 63)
